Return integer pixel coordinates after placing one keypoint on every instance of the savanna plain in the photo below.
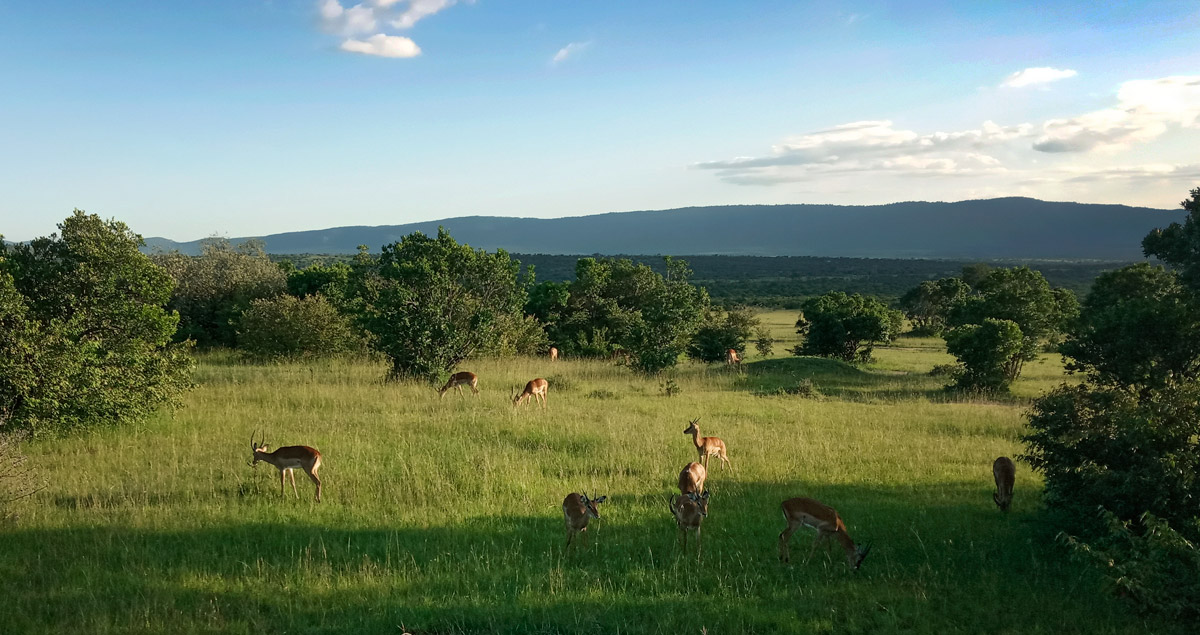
(443, 515)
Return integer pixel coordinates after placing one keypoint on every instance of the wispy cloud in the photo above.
(1036, 76)
(382, 45)
(1145, 110)
(365, 17)
(570, 50)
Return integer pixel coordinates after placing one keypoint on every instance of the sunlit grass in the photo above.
(442, 515)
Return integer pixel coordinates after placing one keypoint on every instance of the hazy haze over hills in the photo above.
(1021, 228)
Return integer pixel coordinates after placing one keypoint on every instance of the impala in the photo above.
(577, 509)
(286, 460)
(691, 479)
(707, 446)
(553, 354)
(458, 380)
(799, 512)
(535, 388)
(731, 357)
(689, 511)
(1005, 473)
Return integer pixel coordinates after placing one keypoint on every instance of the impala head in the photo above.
(1002, 501)
(860, 554)
(701, 502)
(589, 504)
(692, 426)
(255, 449)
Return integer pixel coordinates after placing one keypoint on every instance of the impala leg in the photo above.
(784, 537)
(816, 541)
(586, 541)
(316, 481)
(282, 481)
(292, 472)
(698, 545)
(570, 535)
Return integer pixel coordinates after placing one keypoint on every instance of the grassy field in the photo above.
(443, 516)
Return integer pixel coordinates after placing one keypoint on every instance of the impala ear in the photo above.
(706, 494)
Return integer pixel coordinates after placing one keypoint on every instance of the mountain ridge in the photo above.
(999, 228)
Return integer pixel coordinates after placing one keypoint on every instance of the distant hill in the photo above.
(1001, 228)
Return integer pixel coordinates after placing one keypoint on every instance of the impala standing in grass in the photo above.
(458, 380)
(1005, 473)
(553, 354)
(577, 510)
(536, 389)
(732, 358)
(801, 512)
(691, 479)
(707, 446)
(287, 460)
(689, 511)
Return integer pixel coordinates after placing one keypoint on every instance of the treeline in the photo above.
(787, 281)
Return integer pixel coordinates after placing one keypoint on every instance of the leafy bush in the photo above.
(213, 289)
(602, 393)
(928, 305)
(721, 331)
(989, 354)
(288, 326)
(670, 388)
(944, 370)
(1110, 447)
(764, 343)
(17, 479)
(838, 325)
(1148, 562)
(430, 303)
(85, 338)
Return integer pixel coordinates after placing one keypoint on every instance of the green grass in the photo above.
(443, 516)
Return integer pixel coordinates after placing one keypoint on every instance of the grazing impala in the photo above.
(689, 511)
(458, 380)
(691, 479)
(536, 388)
(553, 354)
(731, 357)
(577, 509)
(287, 459)
(707, 446)
(799, 512)
(1005, 473)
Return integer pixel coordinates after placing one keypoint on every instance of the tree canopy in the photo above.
(85, 337)
(844, 326)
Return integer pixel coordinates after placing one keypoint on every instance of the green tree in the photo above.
(929, 304)
(288, 326)
(331, 281)
(988, 354)
(838, 325)
(213, 289)
(85, 337)
(721, 331)
(430, 303)
(1179, 244)
(764, 342)
(1022, 296)
(1139, 328)
(617, 305)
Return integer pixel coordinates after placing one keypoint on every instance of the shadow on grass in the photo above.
(838, 379)
(945, 560)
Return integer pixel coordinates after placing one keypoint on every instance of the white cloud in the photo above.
(366, 17)
(383, 46)
(1145, 110)
(991, 154)
(567, 51)
(1035, 76)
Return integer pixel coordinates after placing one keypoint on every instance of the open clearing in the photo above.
(443, 516)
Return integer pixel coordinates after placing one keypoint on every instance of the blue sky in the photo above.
(248, 117)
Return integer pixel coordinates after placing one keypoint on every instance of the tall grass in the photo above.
(443, 515)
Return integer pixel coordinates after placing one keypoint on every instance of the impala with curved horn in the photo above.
(287, 460)
(577, 510)
(801, 512)
(707, 446)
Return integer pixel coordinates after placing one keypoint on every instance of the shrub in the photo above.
(1109, 447)
(838, 325)
(764, 342)
(288, 326)
(988, 354)
(670, 388)
(721, 331)
(1146, 561)
(17, 479)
